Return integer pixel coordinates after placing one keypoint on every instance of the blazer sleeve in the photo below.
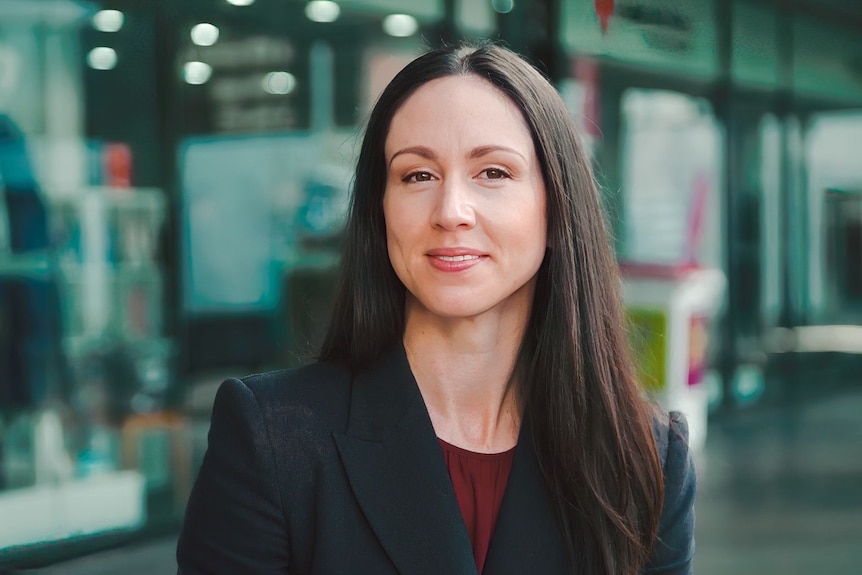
(235, 520)
(674, 549)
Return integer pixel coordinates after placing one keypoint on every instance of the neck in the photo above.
(464, 371)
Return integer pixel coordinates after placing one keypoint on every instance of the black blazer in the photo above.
(315, 471)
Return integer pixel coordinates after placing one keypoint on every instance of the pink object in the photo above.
(658, 271)
(695, 217)
(698, 335)
(117, 165)
(587, 73)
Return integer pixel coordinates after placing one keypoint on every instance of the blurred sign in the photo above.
(648, 337)
(604, 9)
(254, 86)
(250, 184)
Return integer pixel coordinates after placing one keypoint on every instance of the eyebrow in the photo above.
(420, 151)
(477, 152)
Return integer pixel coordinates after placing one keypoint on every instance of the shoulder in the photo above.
(316, 395)
(670, 431)
(680, 480)
(678, 456)
(310, 382)
(269, 436)
(675, 545)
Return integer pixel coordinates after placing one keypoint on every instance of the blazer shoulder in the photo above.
(674, 548)
(305, 379)
(317, 393)
(670, 432)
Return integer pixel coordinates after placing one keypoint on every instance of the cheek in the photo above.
(398, 228)
(389, 215)
(391, 219)
(542, 216)
(533, 223)
(543, 229)
(401, 216)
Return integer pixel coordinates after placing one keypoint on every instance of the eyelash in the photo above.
(503, 173)
(411, 177)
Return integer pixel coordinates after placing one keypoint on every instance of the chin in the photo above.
(455, 310)
(451, 307)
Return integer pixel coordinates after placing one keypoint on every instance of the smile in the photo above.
(458, 258)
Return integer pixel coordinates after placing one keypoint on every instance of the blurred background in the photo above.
(174, 179)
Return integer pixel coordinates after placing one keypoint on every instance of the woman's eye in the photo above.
(417, 177)
(495, 174)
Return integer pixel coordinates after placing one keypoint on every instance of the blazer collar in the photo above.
(396, 470)
(526, 537)
(382, 395)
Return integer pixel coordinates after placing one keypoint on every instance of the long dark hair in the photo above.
(574, 376)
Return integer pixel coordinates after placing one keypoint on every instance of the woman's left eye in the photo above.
(495, 173)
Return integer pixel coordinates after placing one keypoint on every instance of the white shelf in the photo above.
(81, 345)
(104, 502)
(37, 265)
(147, 272)
(151, 200)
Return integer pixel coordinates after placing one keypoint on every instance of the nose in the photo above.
(454, 207)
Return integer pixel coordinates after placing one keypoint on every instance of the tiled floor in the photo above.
(780, 493)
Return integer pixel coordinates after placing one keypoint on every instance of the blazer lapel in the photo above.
(526, 537)
(393, 462)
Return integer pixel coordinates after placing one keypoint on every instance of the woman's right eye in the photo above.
(414, 177)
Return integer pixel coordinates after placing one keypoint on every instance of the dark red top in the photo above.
(480, 481)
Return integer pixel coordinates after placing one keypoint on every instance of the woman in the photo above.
(475, 408)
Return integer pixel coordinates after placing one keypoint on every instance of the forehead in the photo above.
(458, 109)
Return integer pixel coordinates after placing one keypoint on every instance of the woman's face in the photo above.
(465, 200)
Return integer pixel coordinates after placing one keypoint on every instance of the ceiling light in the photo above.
(197, 73)
(241, 2)
(102, 58)
(279, 83)
(204, 34)
(108, 20)
(322, 11)
(400, 25)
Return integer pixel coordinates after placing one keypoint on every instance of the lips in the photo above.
(454, 252)
(454, 259)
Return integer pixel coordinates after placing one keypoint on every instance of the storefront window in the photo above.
(174, 182)
(83, 359)
(671, 181)
(834, 202)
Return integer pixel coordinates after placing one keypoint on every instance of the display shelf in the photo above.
(669, 310)
(145, 272)
(31, 265)
(105, 502)
(106, 241)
